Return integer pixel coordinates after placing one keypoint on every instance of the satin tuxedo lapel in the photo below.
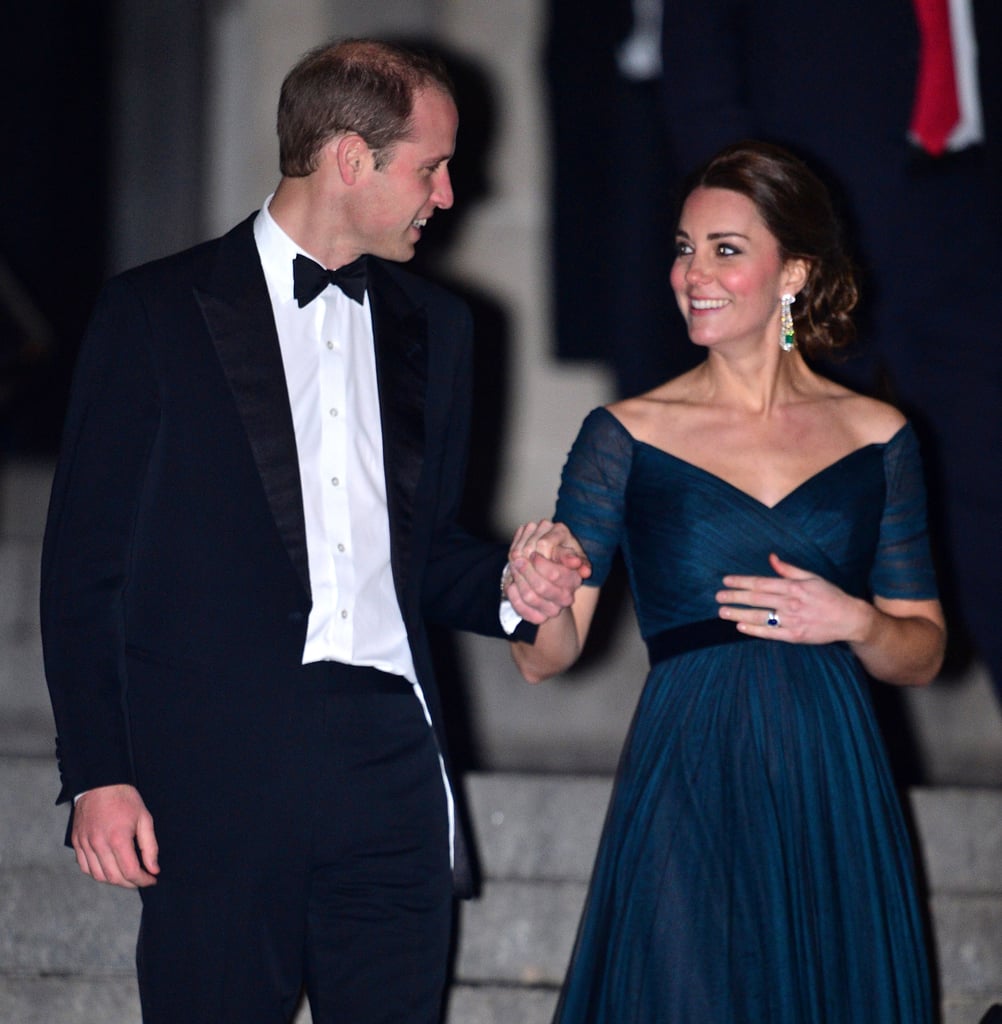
(237, 310)
(400, 331)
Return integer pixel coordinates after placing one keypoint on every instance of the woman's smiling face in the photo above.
(728, 275)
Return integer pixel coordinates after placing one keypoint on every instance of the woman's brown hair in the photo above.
(797, 209)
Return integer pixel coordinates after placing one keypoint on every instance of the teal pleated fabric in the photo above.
(754, 866)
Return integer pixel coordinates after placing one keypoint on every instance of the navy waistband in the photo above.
(337, 677)
(692, 637)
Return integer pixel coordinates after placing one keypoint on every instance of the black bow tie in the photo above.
(309, 279)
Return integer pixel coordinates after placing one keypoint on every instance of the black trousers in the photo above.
(353, 903)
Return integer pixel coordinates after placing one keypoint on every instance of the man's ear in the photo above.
(352, 155)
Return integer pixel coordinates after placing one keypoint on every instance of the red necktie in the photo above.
(936, 110)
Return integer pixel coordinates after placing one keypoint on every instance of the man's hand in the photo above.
(109, 823)
(546, 565)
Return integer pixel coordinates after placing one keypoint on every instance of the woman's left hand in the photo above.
(795, 606)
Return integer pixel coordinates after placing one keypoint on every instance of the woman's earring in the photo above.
(786, 338)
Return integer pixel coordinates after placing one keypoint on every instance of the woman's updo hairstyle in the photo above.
(797, 209)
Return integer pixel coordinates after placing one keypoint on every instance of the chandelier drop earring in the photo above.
(786, 338)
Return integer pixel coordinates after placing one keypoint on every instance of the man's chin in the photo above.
(403, 253)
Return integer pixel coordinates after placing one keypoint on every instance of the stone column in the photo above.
(504, 247)
(157, 123)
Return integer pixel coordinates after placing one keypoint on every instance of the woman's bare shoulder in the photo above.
(869, 419)
(660, 405)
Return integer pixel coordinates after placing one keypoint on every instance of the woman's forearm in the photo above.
(557, 647)
(906, 650)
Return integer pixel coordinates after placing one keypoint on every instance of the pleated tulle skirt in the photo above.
(755, 866)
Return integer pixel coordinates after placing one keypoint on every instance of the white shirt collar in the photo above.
(277, 251)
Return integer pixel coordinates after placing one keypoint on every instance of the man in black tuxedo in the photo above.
(252, 521)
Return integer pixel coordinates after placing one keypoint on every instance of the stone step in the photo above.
(61, 1000)
(496, 1004)
(67, 945)
(519, 933)
(531, 826)
(33, 826)
(960, 838)
(114, 1000)
(26, 721)
(24, 496)
(55, 922)
(542, 827)
(537, 837)
(25, 716)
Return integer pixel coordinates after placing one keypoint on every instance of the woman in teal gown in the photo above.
(754, 866)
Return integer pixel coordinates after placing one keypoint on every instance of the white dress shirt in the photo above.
(329, 359)
(330, 371)
(970, 128)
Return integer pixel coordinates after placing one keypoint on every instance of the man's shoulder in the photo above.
(420, 290)
(189, 262)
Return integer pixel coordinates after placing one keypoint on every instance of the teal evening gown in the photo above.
(754, 866)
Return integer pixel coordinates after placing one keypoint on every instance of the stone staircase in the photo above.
(537, 837)
(67, 944)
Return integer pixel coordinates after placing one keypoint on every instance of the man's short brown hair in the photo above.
(352, 85)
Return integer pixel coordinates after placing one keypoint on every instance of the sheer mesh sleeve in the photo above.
(903, 566)
(592, 489)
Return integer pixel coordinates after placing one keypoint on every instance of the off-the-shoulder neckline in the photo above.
(694, 467)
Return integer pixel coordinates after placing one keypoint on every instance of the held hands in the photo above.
(546, 565)
(802, 607)
(109, 823)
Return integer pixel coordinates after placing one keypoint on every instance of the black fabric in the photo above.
(342, 883)
(310, 279)
(691, 637)
(177, 573)
(339, 678)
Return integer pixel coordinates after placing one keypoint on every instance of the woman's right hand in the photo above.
(546, 565)
(552, 540)
(542, 551)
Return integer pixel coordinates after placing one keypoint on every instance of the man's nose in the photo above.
(442, 195)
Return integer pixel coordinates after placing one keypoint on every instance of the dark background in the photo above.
(53, 219)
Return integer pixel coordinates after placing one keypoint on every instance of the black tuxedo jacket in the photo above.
(175, 586)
